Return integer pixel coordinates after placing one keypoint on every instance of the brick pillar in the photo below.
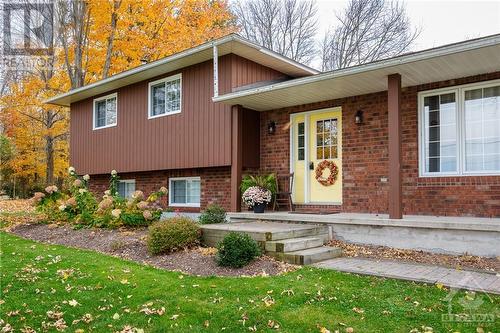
(394, 112)
(236, 156)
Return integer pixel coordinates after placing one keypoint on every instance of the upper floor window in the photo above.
(165, 96)
(105, 111)
(460, 130)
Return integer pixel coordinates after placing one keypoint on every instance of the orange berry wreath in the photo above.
(334, 171)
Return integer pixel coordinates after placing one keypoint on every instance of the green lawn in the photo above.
(37, 278)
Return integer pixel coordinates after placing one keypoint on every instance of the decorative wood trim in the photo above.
(394, 115)
(236, 156)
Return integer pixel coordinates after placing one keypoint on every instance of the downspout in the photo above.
(216, 71)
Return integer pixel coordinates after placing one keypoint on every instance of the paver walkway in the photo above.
(416, 272)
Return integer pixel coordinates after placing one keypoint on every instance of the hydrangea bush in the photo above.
(81, 208)
(255, 195)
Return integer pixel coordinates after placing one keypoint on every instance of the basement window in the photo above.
(165, 96)
(460, 130)
(184, 192)
(126, 188)
(105, 111)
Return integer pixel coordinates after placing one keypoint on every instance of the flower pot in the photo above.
(259, 208)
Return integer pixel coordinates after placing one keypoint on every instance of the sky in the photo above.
(441, 22)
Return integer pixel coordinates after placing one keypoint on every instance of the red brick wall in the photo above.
(446, 196)
(215, 184)
(365, 158)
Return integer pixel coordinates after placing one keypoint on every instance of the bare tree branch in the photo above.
(73, 18)
(368, 30)
(287, 27)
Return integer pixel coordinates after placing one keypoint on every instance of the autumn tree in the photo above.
(96, 39)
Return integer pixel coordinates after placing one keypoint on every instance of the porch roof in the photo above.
(472, 57)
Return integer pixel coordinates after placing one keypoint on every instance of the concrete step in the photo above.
(308, 256)
(260, 231)
(295, 244)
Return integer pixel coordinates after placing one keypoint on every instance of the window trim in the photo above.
(115, 95)
(128, 181)
(166, 79)
(460, 119)
(171, 193)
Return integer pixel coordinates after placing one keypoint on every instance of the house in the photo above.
(414, 134)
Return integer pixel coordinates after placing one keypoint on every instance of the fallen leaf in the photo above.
(358, 310)
(73, 302)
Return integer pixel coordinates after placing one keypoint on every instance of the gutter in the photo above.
(391, 62)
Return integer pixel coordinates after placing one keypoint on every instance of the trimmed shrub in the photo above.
(213, 214)
(237, 250)
(172, 234)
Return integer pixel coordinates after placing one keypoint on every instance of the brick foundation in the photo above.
(215, 184)
(365, 159)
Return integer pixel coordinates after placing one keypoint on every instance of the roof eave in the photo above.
(403, 59)
(63, 99)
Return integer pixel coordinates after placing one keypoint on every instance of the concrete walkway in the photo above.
(469, 280)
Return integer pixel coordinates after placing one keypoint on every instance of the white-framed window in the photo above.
(165, 96)
(184, 192)
(126, 187)
(459, 130)
(105, 111)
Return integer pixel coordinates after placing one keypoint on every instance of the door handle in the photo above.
(311, 165)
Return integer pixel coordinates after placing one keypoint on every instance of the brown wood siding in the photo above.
(245, 72)
(199, 136)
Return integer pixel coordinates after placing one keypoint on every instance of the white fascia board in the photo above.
(229, 38)
(276, 55)
(391, 62)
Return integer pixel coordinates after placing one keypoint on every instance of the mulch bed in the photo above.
(130, 244)
(388, 253)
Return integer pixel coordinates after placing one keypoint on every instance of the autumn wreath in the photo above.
(334, 171)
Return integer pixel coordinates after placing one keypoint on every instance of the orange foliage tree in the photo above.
(104, 38)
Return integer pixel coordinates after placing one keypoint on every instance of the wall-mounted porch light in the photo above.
(271, 127)
(358, 119)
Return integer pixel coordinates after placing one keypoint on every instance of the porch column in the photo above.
(394, 114)
(236, 156)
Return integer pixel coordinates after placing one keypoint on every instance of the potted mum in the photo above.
(257, 197)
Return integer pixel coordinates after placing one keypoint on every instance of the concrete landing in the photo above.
(460, 279)
(450, 235)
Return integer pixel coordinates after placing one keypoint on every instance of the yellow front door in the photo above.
(316, 152)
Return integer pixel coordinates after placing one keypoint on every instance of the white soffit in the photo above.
(454, 61)
(229, 44)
